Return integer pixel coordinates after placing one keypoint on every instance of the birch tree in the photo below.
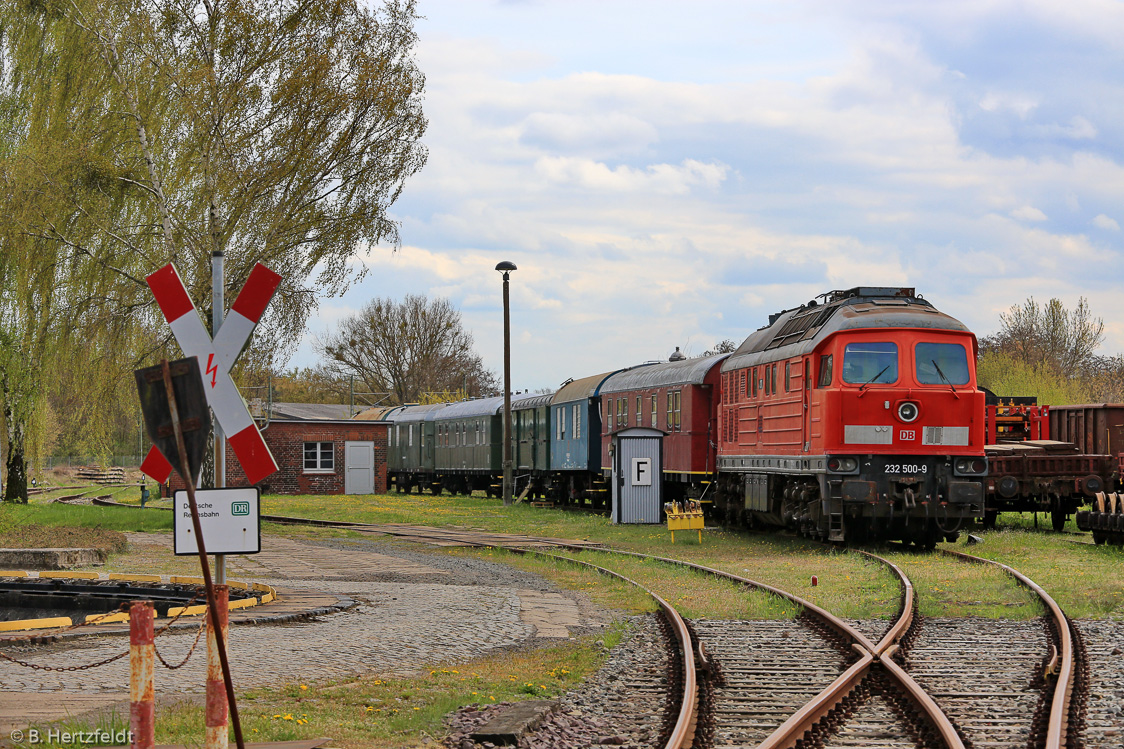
(138, 132)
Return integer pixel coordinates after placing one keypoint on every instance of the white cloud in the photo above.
(1019, 104)
(655, 193)
(1028, 213)
(1104, 222)
(668, 179)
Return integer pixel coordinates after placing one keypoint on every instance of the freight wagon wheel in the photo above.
(1057, 519)
(989, 518)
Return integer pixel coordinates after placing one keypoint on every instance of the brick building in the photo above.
(319, 450)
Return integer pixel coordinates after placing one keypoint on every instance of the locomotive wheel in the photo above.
(1057, 519)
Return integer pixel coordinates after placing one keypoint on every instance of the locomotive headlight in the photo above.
(970, 466)
(908, 411)
(842, 465)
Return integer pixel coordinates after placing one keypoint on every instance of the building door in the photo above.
(359, 468)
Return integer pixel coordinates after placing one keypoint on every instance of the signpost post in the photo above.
(233, 516)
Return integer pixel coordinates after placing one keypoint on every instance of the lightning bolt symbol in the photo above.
(212, 369)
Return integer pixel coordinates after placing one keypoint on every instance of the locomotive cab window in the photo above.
(825, 372)
(870, 362)
(941, 364)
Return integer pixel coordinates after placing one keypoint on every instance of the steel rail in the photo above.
(793, 729)
(1057, 726)
(682, 735)
(800, 722)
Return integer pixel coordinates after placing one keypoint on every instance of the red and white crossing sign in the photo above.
(218, 356)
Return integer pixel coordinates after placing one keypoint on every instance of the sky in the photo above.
(668, 174)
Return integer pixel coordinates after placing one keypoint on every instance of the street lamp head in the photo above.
(505, 267)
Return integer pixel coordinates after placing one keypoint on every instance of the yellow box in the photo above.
(688, 521)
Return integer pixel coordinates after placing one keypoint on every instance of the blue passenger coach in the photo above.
(575, 447)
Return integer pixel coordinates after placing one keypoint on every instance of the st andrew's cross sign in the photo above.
(216, 357)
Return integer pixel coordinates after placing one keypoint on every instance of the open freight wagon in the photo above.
(1053, 459)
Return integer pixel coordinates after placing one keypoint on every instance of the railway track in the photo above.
(819, 681)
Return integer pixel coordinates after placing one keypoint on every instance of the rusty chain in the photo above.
(38, 667)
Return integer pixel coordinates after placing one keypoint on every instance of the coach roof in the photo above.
(666, 374)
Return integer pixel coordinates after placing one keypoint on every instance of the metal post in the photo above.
(217, 308)
(216, 717)
(208, 584)
(506, 267)
(142, 665)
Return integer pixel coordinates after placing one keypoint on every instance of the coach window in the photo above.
(678, 413)
(768, 379)
(670, 412)
(942, 364)
(653, 410)
(577, 422)
(825, 372)
(639, 412)
(560, 418)
(808, 373)
(624, 412)
(870, 362)
(319, 456)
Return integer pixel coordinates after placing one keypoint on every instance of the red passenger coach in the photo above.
(679, 398)
(852, 419)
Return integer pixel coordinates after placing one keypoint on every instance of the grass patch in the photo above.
(396, 712)
(108, 729)
(1083, 578)
(14, 517)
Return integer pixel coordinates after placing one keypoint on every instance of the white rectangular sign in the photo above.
(230, 519)
(641, 471)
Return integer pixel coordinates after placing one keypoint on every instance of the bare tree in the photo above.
(409, 349)
(725, 346)
(1049, 334)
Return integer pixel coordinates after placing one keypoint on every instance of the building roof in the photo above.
(310, 412)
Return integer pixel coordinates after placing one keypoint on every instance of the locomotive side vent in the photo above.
(953, 436)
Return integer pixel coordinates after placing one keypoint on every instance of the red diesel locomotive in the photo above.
(854, 419)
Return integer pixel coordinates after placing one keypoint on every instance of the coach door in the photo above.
(359, 468)
(637, 475)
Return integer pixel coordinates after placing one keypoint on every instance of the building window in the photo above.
(319, 456)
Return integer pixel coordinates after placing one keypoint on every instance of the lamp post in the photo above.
(506, 267)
